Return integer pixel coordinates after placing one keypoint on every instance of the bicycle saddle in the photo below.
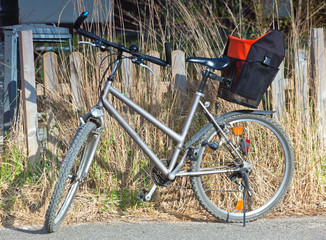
(215, 63)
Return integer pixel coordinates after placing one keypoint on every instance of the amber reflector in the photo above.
(237, 130)
(240, 205)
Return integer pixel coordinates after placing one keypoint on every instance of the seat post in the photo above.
(206, 73)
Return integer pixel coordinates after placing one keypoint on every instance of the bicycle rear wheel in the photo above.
(266, 146)
(70, 177)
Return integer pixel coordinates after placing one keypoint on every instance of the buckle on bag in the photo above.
(267, 61)
(268, 58)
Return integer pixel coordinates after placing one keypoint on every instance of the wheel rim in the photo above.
(73, 180)
(63, 209)
(267, 180)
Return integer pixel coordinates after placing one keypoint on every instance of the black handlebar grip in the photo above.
(155, 60)
(88, 34)
(80, 20)
(168, 53)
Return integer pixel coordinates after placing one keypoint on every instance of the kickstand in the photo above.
(245, 184)
(244, 206)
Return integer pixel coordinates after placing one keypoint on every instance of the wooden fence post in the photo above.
(50, 67)
(76, 71)
(102, 62)
(154, 81)
(319, 78)
(179, 76)
(29, 96)
(301, 88)
(277, 92)
(128, 76)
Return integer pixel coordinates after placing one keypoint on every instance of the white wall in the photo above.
(51, 11)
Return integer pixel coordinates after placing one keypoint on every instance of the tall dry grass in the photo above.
(120, 169)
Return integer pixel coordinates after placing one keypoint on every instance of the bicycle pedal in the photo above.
(214, 145)
(142, 195)
(193, 154)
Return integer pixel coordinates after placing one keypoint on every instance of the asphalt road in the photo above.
(281, 228)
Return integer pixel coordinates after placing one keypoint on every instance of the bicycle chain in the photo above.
(180, 187)
(161, 180)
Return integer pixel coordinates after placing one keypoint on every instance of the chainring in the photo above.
(159, 177)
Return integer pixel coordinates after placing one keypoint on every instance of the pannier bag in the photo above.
(253, 66)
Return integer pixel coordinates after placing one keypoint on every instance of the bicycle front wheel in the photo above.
(265, 145)
(70, 177)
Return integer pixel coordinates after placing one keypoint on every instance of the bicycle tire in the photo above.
(271, 154)
(68, 181)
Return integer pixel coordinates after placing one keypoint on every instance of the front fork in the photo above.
(92, 144)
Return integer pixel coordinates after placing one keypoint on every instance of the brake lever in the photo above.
(96, 44)
(89, 43)
(140, 63)
(147, 67)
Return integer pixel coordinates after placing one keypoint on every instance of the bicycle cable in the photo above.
(107, 69)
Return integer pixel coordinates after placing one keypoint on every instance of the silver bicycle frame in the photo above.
(179, 139)
(172, 170)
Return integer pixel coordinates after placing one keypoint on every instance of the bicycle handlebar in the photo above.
(80, 20)
(122, 48)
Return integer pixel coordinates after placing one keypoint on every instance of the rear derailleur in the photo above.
(243, 173)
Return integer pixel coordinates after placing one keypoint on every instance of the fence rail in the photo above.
(316, 72)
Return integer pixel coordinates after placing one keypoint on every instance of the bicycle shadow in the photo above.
(15, 191)
(165, 205)
(41, 231)
(13, 188)
(8, 200)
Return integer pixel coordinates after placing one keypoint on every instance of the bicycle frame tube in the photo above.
(205, 172)
(172, 170)
(146, 115)
(90, 152)
(175, 136)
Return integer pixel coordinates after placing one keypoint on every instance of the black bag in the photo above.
(253, 66)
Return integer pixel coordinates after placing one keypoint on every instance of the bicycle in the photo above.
(236, 154)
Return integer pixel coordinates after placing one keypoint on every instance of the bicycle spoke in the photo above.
(263, 144)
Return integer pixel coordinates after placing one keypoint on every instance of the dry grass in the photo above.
(120, 169)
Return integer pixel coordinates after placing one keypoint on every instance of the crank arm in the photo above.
(149, 195)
